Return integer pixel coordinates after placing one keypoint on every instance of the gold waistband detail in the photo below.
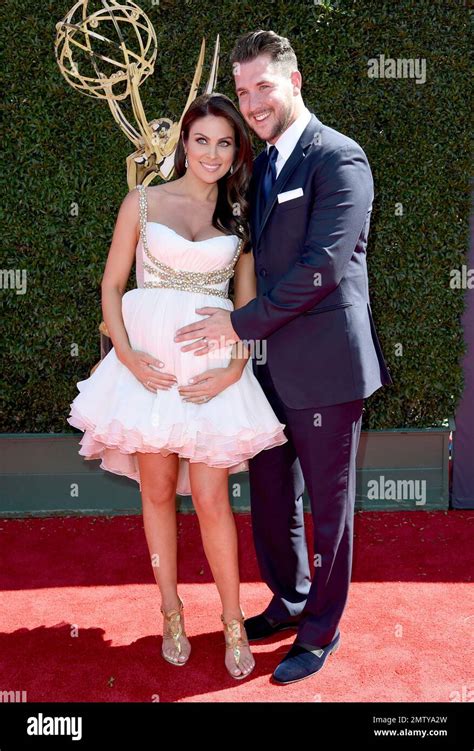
(188, 287)
(191, 281)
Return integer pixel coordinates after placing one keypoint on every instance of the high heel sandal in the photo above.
(236, 637)
(174, 629)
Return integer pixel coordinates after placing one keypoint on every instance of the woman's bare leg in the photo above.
(209, 488)
(158, 478)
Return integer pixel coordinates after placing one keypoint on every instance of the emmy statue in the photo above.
(108, 53)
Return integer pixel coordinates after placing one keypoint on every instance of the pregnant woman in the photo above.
(173, 421)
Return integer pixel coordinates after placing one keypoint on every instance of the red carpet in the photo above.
(80, 616)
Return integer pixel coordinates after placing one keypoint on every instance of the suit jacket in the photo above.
(313, 305)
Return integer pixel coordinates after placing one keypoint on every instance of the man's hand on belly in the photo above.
(214, 331)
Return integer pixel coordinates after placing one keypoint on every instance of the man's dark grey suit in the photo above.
(323, 358)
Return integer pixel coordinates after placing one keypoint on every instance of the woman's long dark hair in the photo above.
(231, 212)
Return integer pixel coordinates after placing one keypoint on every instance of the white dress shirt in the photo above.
(289, 138)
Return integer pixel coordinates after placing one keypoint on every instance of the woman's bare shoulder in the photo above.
(130, 203)
(167, 188)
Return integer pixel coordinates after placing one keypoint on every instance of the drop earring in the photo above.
(231, 169)
(186, 161)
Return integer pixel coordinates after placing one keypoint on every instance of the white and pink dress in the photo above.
(120, 417)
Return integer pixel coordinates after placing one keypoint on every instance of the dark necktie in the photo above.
(270, 173)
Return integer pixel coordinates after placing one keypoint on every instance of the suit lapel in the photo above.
(255, 195)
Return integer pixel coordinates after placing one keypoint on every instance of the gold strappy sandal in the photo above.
(235, 637)
(174, 629)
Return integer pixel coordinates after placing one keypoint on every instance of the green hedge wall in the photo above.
(63, 148)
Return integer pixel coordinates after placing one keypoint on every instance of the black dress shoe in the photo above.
(302, 662)
(259, 627)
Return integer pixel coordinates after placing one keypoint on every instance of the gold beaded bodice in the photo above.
(167, 276)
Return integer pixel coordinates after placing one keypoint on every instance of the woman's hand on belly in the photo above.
(146, 369)
(204, 386)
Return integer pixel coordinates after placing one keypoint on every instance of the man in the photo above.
(311, 200)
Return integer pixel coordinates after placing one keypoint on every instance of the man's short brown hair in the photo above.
(254, 43)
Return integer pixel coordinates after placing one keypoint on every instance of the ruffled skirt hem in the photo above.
(116, 446)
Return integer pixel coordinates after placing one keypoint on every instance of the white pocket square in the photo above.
(289, 194)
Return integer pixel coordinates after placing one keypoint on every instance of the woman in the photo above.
(139, 413)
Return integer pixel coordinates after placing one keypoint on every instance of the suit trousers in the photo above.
(321, 453)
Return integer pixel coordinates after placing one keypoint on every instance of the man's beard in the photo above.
(281, 124)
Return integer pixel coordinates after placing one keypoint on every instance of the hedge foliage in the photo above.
(63, 149)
